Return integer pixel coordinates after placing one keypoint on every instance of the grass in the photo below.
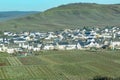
(61, 65)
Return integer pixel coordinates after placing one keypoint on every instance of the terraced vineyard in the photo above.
(60, 65)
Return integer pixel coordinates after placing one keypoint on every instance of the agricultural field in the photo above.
(60, 65)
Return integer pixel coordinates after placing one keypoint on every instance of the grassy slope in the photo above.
(67, 16)
(61, 65)
(8, 15)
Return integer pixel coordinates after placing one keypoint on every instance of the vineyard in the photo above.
(60, 65)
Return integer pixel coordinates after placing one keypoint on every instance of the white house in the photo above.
(17, 41)
(1, 49)
(30, 47)
(10, 50)
(93, 44)
(60, 36)
(61, 46)
(50, 36)
(48, 47)
(115, 44)
(4, 48)
(79, 46)
(23, 45)
(36, 49)
(106, 35)
(71, 47)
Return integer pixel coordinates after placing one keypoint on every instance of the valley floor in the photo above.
(60, 65)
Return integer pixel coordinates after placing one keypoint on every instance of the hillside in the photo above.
(74, 15)
(8, 15)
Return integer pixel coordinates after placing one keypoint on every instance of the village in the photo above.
(68, 39)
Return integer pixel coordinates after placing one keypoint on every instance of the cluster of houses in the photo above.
(68, 39)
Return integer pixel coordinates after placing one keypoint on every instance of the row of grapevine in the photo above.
(12, 72)
(1, 74)
(17, 60)
(44, 72)
(13, 61)
(35, 72)
(29, 71)
(55, 75)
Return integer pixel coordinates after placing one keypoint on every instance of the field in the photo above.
(60, 65)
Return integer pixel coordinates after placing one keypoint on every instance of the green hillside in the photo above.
(8, 15)
(67, 16)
